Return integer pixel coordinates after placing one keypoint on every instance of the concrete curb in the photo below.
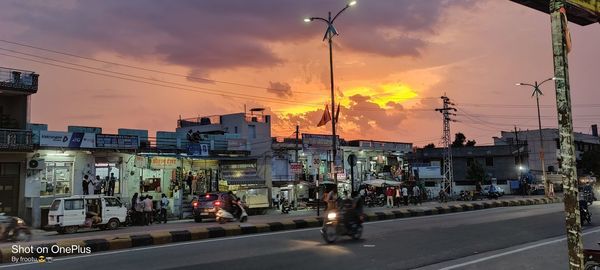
(165, 237)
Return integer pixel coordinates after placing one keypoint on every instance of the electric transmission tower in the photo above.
(447, 112)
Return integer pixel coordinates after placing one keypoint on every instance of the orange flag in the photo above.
(325, 118)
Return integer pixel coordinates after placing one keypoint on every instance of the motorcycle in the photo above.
(336, 226)
(224, 216)
(591, 257)
(584, 213)
(373, 200)
(13, 229)
(285, 207)
(465, 196)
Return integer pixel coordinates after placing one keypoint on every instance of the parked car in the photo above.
(68, 214)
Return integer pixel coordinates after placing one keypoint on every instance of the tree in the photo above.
(590, 162)
(471, 143)
(459, 140)
(431, 145)
(476, 172)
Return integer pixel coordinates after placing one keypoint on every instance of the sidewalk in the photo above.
(187, 230)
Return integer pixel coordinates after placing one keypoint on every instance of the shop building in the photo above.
(16, 88)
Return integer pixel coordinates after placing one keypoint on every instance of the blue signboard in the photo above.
(117, 141)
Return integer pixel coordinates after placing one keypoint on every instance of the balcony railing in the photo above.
(15, 139)
(199, 121)
(15, 79)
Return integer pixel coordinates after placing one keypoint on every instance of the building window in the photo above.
(469, 162)
(252, 131)
(557, 143)
(236, 130)
(489, 161)
(56, 179)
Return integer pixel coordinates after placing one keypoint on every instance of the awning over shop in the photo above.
(381, 183)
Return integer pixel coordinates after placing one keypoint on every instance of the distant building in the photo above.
(531, 139)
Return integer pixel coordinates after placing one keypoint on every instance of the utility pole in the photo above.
(447, 141)
(296, 175)
(519, 161)
(565, 129)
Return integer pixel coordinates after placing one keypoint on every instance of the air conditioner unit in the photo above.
(36, 164)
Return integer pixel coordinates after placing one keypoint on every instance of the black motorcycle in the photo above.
(285, 207)
(342, 222)
(14, 229)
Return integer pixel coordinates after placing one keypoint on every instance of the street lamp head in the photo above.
(352, 3)
(307, 19)
(553, 78)
(518, 84)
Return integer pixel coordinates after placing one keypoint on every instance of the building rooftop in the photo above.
(17, 81)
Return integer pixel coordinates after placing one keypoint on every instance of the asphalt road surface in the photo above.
(530, 237)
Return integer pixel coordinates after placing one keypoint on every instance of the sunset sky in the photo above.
(393, 60)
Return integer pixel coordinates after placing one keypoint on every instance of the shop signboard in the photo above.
(318, 141)
(198, 149)
(67, 139)
(117, 141)
(296, 167)
(163, 163)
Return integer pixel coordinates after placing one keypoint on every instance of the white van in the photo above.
(68, 214)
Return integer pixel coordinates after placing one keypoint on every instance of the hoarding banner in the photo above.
(318, 141)
(141, 162)
(67, 139)
(117, 141)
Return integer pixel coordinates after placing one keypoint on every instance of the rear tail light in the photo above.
(217, 203)
(195, 204)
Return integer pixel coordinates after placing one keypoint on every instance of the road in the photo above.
(42, 236)
(527, 237)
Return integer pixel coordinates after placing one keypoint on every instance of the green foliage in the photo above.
(476, 172)
(471, 143)
(459, 140)
(590, 162)
(431, 145)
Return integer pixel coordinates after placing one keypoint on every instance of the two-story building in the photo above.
(16, 87)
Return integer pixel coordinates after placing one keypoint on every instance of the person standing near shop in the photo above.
(194, 185)
(417, 194)
(188, 181)
(389, 192)
(148, 209)
(98, 183)
(84, 185)
(398, 196)
(164, 203)
(405, 195)
(111, 185)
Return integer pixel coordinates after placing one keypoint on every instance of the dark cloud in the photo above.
(282, 89)
(225, 34)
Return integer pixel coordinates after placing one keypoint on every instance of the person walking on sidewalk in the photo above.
(405, 195)
(389, 192)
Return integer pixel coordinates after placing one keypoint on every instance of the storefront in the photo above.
(243, 178)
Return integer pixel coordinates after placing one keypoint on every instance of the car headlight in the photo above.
(20, 221)
(331, 216)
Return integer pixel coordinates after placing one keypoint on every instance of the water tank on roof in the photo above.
(204, 121)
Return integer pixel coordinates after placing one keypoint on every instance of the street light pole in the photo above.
(329, 34)
(537, 92)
